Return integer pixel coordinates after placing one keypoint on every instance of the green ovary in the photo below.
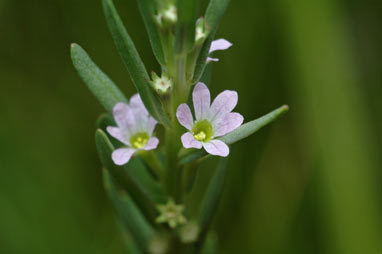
(202, 131)
(139, 140)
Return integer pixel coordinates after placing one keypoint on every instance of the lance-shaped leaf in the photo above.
(147, 9)
(211, 201)
(214, 14)
(133, 62)
(185, 27)
(98, 82)
(141, 197)
(128, 214)
(240, 133)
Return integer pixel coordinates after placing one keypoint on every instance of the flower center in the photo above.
(202, 131)
(139, 140)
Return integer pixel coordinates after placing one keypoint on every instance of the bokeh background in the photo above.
(309, 183)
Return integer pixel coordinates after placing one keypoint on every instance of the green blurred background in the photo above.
(309, 183)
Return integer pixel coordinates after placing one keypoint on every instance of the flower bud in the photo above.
(167, 16)
(200, 31)
(189, 233)
(171, 213)
(159, 244)
(162, 85)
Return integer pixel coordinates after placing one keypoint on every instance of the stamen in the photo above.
(200, 136)
(139, 140)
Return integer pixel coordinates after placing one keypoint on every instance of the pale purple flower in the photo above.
(134, 129)
(211, 120)
(219, 44)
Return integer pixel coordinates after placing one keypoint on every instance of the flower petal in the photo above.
(216, 147)
(151, 144)
(122, 155)
(201, 99)
(219, 44)
(136, 102)
(120, 114)
(228, 123)
(210, 59)
(224, 103)
(151, 125)
(119, 133)
(138, 119)
(189, 141)
(183, 113)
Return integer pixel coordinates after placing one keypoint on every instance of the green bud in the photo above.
(167, 16)
(189, 233)
(171, 213)
(162, 85)
(200, 31)
(159, 244)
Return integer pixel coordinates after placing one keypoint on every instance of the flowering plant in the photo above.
(149, 174)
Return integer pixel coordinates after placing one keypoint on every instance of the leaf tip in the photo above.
(285, 108)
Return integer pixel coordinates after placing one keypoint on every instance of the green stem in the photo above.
(151, 158)
(172, 173)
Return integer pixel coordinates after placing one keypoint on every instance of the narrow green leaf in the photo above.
(214, 14)
(185, 27)
(147, 8)
(141, 197)
(240, 133)
(98, 82)
(251, 127)
(133, 62)
(211, 201)
(105, 120)
(128, 214)
(206, 77)
(211, 245)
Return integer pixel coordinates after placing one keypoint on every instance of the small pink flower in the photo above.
(211, 121)
(135, 129)
(219, 44)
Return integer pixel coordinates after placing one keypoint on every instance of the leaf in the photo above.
(251, 127)
(141, 197)
(133, 62)
(214, 14)
(98, 82)
(211, 201)
(185, 27)
(240, 133)
(127, 213)
(105, 120)
(146, 7)
(206, 77)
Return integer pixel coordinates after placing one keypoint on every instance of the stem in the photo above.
(155, 164)
(172, 171)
